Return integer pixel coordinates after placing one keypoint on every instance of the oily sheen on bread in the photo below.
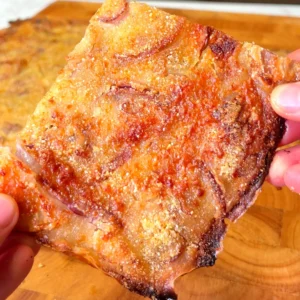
(155, 132)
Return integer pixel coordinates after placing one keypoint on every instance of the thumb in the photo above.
(8, 216)
(285, 100)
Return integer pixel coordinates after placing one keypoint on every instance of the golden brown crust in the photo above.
(112, 11)
(152, 135)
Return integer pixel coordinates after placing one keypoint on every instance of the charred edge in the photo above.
(211, 243)
(223, 47)
(143, 288)
(140, 288)
(248, 196)
(209, 32)
(165, 296)
(155, 295)
(43, 239)
(117, 16)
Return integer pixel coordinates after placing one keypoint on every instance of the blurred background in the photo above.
(11, 10)
(249, 1)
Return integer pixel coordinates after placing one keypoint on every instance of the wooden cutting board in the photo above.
(261, 257)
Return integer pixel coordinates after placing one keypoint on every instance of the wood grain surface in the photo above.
(261, 257)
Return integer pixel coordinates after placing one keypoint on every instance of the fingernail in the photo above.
(288, 97)
(7, 212)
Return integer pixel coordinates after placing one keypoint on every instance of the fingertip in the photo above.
(295, 55)
(31, 243)
(25, 256)
(277, 170)
(15, 264)
(9, 213)
(285, 100)
(276, 98)
(292, 178)
(292, 132)
(35, 248)
(5, 197)
(17, 238)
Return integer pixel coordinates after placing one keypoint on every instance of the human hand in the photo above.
(17, 251)
(285, 168)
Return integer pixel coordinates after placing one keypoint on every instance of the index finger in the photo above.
(285, 100)
(295, 55)
(9, 214)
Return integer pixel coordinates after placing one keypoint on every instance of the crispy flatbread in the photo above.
(156, 131)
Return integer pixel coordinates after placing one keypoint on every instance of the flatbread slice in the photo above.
(155, 132)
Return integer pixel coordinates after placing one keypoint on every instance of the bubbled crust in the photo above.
(152, 135)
